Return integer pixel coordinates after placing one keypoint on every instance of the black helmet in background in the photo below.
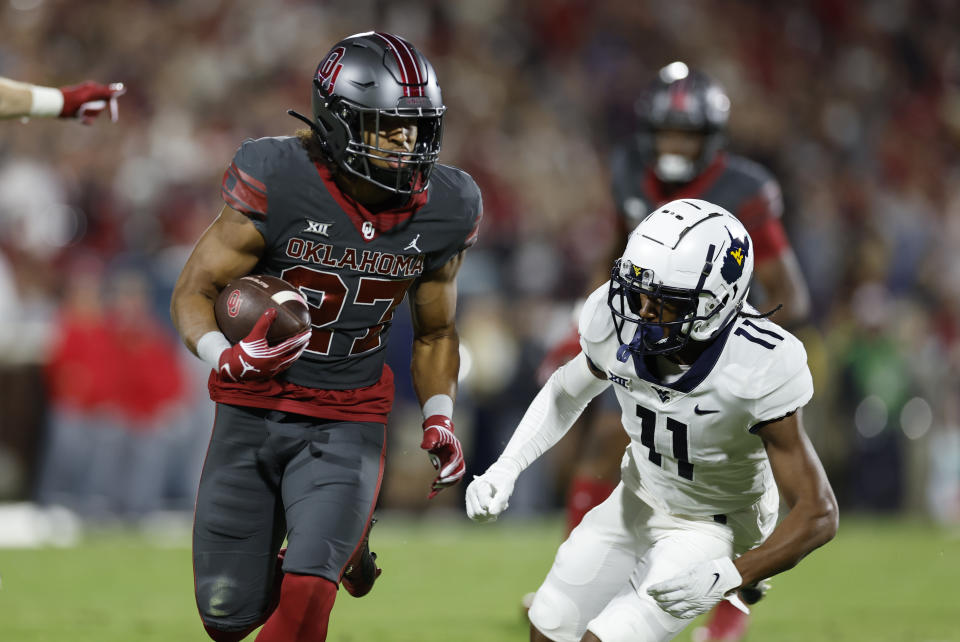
(683, 100)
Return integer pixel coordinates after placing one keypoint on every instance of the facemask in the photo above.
(674, 168)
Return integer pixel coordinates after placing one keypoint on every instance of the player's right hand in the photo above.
(488, 495)
(86, 100)
(253, 359)
(446, 453)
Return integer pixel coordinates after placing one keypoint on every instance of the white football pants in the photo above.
(600, 576)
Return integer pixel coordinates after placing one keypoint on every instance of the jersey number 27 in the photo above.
(333, 294)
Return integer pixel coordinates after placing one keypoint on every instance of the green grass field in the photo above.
(879, 581)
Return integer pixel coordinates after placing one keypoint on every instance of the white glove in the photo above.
(488, 495)
(697, 590)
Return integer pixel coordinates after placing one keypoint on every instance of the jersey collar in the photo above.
(699, 369)
(382, 221)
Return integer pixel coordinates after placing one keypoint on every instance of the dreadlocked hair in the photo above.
(759, 315)
(312, 145)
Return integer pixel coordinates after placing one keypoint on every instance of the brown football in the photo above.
(245, 299)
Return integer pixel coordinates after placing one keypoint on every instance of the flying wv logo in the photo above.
(663, 394)
(733, 260)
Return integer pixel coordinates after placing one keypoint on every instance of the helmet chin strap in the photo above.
(674, 168)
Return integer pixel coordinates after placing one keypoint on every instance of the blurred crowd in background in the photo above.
(854, 105)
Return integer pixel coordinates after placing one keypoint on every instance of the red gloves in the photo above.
(254, 360)
(86, 100)
(445, 452)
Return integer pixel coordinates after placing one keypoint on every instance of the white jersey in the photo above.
(692, 449)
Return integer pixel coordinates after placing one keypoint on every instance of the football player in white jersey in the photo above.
(711, 393)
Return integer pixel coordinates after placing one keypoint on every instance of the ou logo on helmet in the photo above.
(330, 68)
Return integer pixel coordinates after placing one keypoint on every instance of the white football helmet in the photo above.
(690, 255)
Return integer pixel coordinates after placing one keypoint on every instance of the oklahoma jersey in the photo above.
(692, 448)
(352, 266)
(737, 184)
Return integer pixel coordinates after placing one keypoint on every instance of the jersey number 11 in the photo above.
(648, 424)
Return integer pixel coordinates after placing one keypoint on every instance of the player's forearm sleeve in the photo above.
(552, 412)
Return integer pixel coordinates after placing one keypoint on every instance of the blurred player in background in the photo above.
(84, 101)
(355, 212)
(710, 392)
(678, 153)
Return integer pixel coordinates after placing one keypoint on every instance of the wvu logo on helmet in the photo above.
(733, 260)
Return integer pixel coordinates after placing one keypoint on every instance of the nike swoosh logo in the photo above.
(716, 578)
(697, 410)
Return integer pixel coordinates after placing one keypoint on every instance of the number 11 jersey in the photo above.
(693, 448)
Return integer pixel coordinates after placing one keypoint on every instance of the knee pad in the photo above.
(635, 622)
(556, 616)
(226, 606)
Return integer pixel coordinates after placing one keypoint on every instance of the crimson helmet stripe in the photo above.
(408, 53)
(678, 96)
(407, 62)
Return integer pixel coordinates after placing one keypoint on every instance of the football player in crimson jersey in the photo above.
(678, 153)
(710, 393)
(83, 102)
(356, 213)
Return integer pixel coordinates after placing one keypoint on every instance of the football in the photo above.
(245, 299)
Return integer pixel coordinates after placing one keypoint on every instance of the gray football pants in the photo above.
(269, 475)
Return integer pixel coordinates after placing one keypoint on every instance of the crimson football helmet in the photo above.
(682, 99)
(362, 79)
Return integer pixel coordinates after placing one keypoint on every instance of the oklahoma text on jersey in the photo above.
(370, 261)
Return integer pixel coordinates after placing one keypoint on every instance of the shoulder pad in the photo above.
(267, 151)
(455, 194)
(753, 369)
(596, 323)
(749, 169)
(460, 184)
(244, 185)
(757, 182)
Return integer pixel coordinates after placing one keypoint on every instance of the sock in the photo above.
(303, 612)
(585, 493)
(726, 622)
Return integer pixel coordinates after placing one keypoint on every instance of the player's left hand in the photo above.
(697, 590)
(86, 100)
(445, 452)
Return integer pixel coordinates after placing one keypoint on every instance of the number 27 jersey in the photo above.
(352, 266)
(693, 448)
